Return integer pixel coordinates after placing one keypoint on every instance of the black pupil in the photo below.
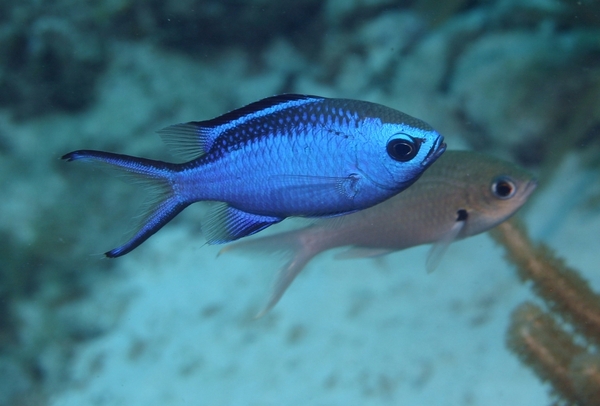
(402, 150)
(503, 188)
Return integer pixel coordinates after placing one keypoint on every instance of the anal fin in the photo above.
(226, 223)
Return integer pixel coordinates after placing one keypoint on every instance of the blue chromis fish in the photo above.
(286, 155)
(464, 193)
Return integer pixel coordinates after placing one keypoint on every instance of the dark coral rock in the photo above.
(201, 26)
(48, 63)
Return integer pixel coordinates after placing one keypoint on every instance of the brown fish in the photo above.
(464, 193)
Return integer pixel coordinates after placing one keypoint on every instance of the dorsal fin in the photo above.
(194, 139)
(187, 140)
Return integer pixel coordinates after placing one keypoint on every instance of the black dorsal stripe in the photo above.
(252, 108)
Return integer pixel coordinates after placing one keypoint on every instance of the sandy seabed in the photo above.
(351, 332)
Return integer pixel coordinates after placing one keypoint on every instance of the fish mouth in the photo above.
(434, 153)
(529, 188)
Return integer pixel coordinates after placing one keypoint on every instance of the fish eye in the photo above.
(403, 149)
(503, 188)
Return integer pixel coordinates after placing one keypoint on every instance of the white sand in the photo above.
(355, 332)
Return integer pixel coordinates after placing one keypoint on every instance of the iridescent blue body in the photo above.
(288, 155)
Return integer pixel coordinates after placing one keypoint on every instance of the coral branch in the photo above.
(547, 349)
(565, 292)
(534, 335)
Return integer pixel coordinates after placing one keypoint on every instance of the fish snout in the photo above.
(435, 152)
(529, 188)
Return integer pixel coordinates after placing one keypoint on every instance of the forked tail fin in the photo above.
(156, 176)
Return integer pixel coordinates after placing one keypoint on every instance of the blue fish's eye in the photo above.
(403, 150)
(503, 188)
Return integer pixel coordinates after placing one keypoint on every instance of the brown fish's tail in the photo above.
(296, 243)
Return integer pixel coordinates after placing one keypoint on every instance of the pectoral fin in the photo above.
(316, 189)
(439, 248)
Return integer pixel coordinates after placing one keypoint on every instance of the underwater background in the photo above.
(172, 323)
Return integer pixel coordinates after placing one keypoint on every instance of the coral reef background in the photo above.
(172, 323)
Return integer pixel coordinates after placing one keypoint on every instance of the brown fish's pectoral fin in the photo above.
(439, 248)
(363, 252)
(226, 223)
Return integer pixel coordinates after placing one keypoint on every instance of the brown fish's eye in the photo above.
(503, 188)
(402, 150)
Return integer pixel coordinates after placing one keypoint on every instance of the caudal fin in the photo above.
(291, 242)
(156, 176)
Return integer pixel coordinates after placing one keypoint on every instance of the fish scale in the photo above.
(286, 155)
